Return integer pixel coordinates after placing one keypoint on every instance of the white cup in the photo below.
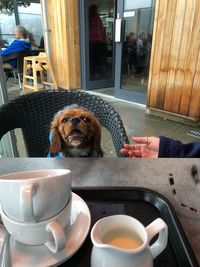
(122, 241)
(36, 195)
(50, 232)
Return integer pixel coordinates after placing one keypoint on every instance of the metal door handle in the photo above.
(118, 23)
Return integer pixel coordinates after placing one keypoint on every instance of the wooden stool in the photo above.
(34, 64)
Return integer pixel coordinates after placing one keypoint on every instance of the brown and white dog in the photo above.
(76, 132)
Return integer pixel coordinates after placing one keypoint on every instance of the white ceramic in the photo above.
(49, 232)
(40, 256)
(104, 255)
(35, 195)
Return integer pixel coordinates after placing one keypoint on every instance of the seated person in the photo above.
(23, 41)
(160, 147)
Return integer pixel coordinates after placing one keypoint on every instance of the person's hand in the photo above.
(144, 147)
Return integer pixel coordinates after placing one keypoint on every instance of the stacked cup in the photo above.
(36, 206)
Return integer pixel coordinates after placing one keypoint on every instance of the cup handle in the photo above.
(26, 202)
(59, 239)
(157, 227)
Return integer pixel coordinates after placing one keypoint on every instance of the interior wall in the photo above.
(175, 60)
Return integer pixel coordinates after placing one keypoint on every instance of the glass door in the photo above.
(133, 37)
(97, 45)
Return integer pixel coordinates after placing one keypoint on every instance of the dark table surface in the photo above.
(154, 174)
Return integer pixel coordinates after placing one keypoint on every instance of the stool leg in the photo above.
(14, 74)
(24, 74)
(42, 78)
(19, 80)
(35, 84)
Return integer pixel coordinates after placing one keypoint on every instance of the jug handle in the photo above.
(157, 227)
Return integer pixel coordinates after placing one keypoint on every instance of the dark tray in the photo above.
(145, 205)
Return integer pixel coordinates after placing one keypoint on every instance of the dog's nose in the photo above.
(74, 121)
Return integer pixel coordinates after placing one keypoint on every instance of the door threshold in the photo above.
(115, 98)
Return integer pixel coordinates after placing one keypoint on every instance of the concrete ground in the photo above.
(137, 122)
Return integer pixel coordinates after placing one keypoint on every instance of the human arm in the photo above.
(162, 147)
(9, 50)
(143, 147)
(15, 46)
(170, 148)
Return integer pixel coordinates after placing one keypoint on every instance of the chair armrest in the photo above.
(10, 56)
(19, 54)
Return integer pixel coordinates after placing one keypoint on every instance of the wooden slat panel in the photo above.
(64, 42)
(191, 63)
(166, 50)
(194, 108)
(161, 7)
(183, 55)
(73, 42)
(174, 71)
(174, 53)
(149, 91)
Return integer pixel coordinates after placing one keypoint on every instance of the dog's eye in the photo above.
(64, 120)
(85, 119)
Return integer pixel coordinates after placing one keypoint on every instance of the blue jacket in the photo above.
(170, 148)
(15, 46)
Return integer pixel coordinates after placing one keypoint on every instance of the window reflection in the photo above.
(30, 17)
(138, 16)
(7, 25)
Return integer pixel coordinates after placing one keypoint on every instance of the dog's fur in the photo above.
(76, 132)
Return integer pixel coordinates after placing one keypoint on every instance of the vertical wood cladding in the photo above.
(174, 83)
(63, 21)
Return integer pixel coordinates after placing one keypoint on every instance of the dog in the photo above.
(76, 132)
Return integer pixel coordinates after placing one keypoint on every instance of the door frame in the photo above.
(86, 84)
(136, 97)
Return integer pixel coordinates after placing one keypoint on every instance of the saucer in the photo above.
(39, 256)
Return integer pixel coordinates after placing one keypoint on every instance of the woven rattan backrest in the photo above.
(34, 112)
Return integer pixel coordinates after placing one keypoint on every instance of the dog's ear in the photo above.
(97, 140)
(97, 145)
(55, 147)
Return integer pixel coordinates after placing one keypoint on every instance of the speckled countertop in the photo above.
(149, 173)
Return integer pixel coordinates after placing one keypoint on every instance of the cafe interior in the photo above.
(75, 188)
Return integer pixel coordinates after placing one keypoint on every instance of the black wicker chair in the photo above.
(34, 112)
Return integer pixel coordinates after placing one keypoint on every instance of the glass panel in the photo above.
(7, 25)
(6, 148)
(138, 27)
(101, 21)
(30, 17)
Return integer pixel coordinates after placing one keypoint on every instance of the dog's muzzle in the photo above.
(74, 122)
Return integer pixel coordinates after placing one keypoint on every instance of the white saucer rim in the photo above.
(84, 235)
(85, 232)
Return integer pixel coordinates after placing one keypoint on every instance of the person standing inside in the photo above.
(132, 53)
(97, 39)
